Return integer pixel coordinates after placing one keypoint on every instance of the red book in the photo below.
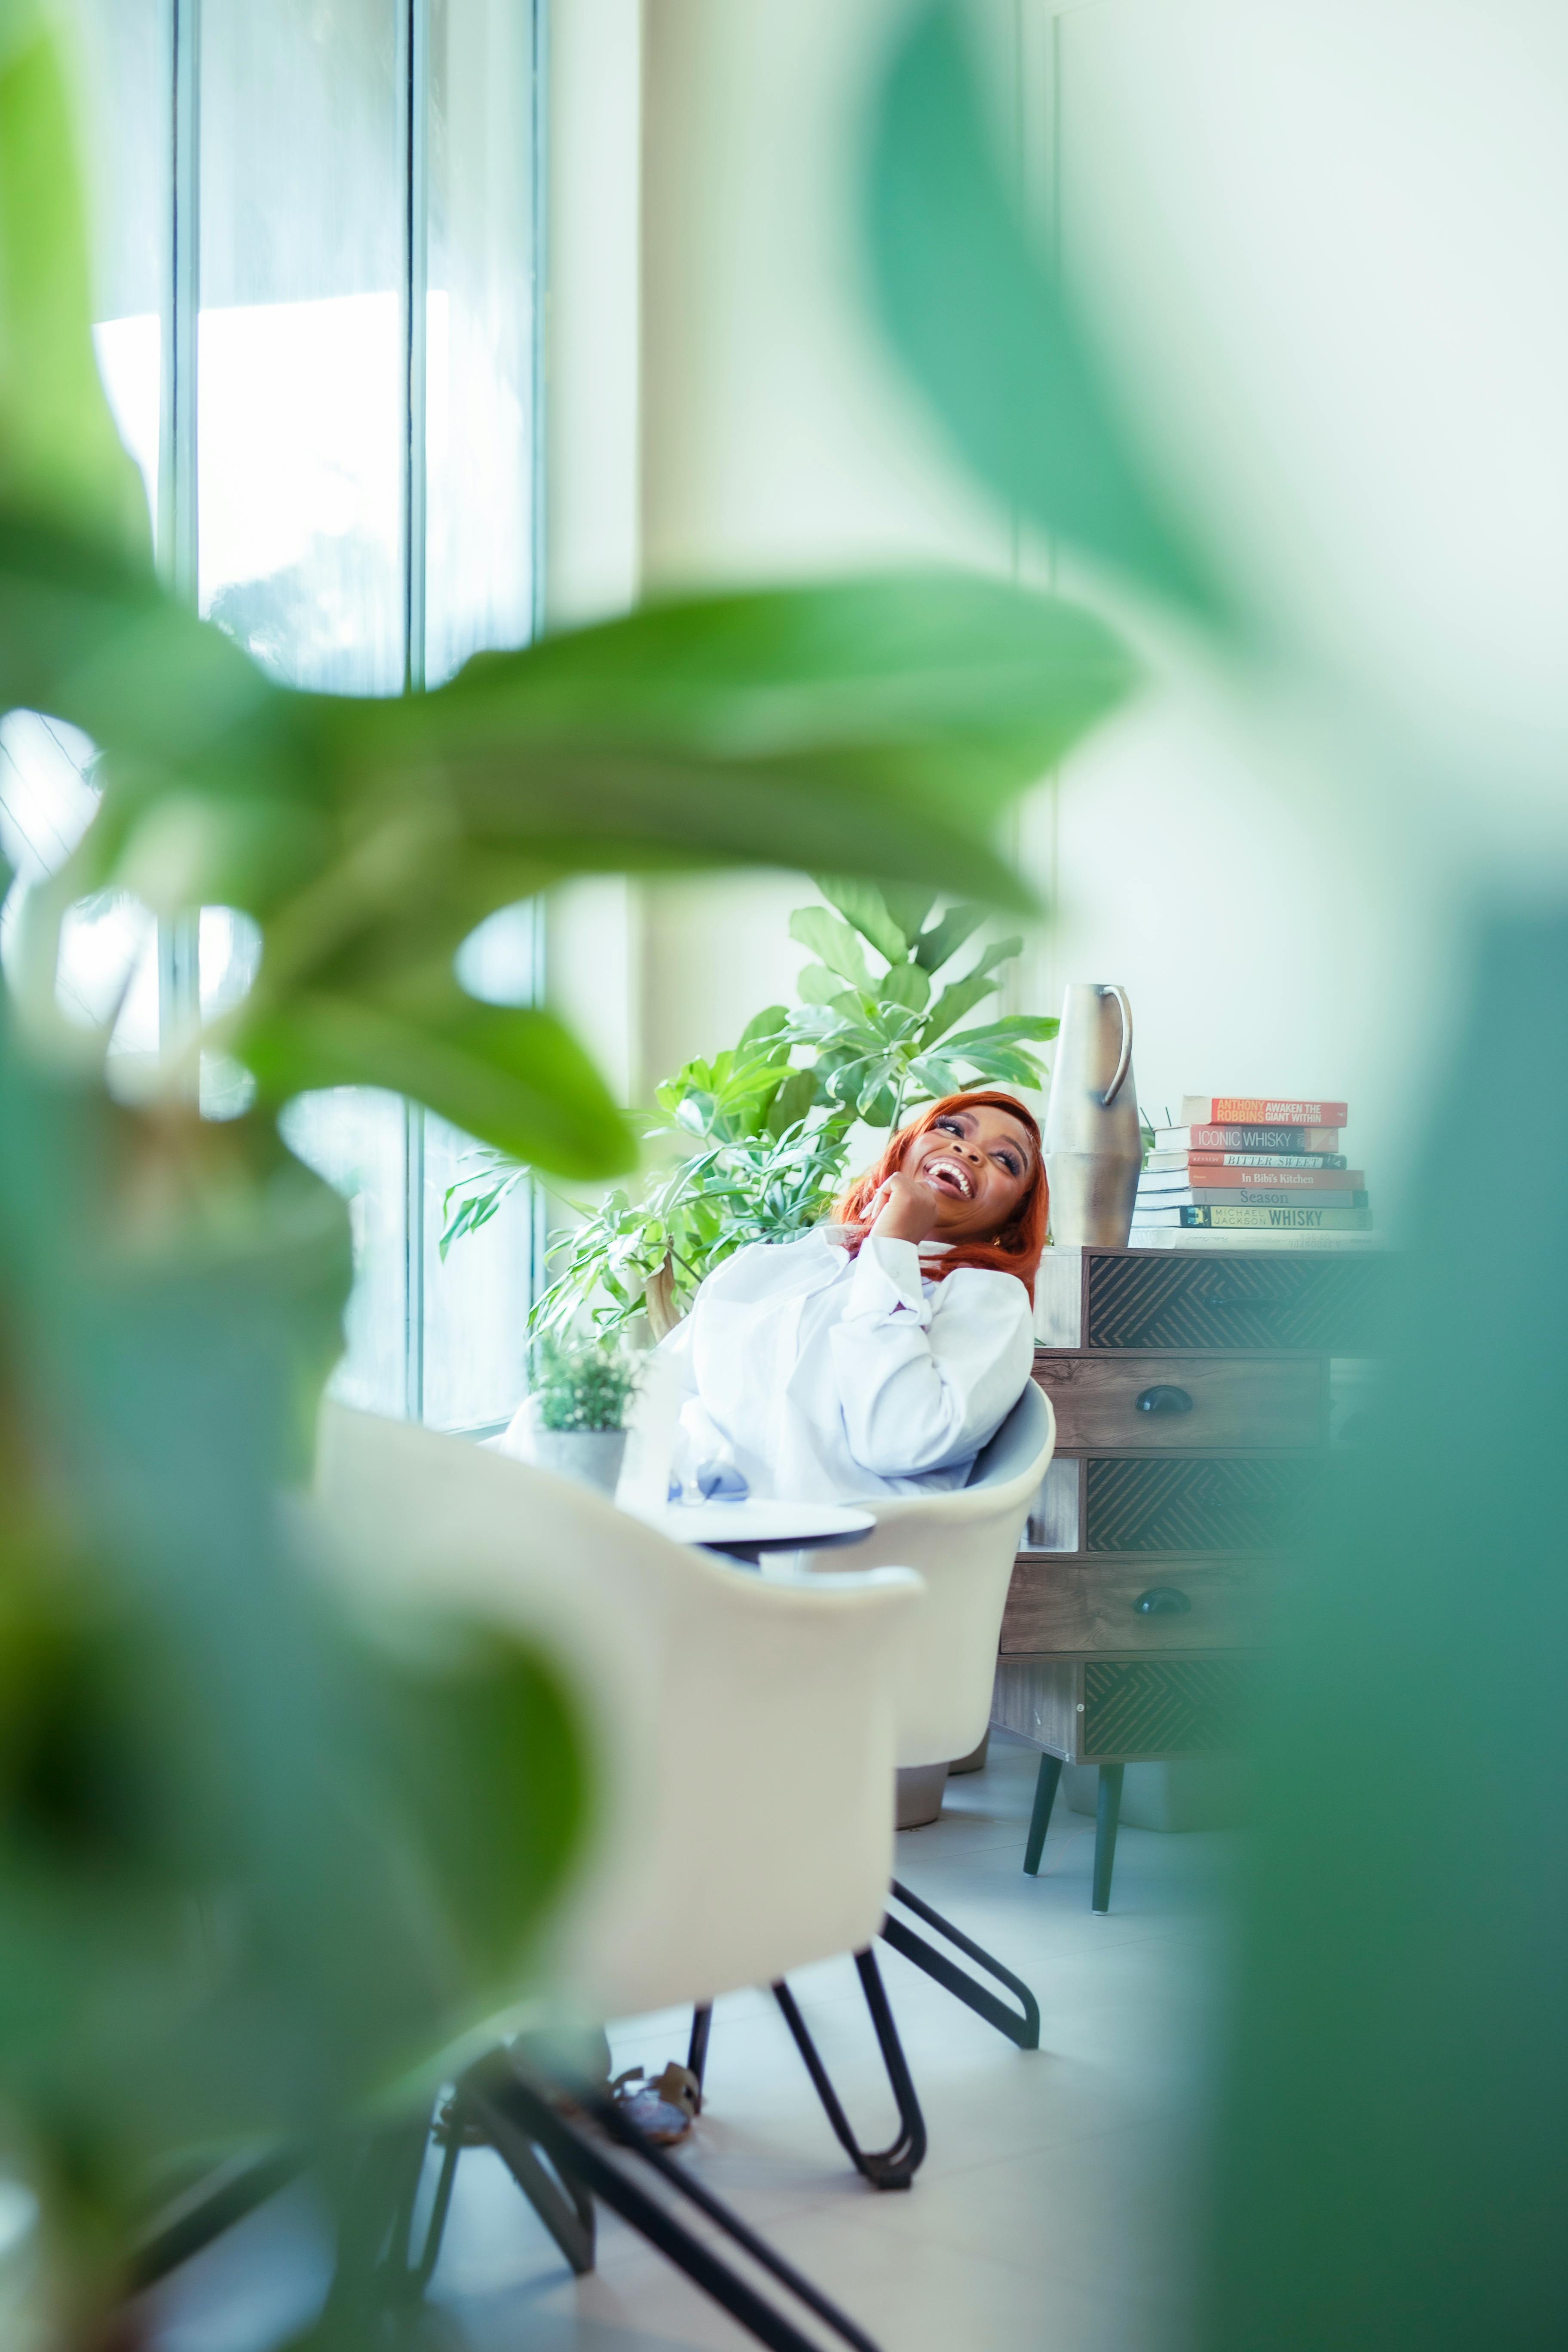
(1258, 1110)
(1218, 1177)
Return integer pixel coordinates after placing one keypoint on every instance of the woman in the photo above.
(876, 1356)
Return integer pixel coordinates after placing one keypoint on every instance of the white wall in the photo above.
(1326, 240)
(1300, 226)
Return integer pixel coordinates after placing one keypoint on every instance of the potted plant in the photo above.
(759, 1139)
(578, 1400)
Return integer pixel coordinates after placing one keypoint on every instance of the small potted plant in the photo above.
(580, 1390)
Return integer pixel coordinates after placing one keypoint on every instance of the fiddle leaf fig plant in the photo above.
(882, 1044)
(762, 1137)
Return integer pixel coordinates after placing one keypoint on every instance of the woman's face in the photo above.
(978, 1163)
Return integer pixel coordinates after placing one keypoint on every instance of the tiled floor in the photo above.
(1057, 2205)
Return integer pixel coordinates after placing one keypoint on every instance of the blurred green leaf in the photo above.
(86, 634)
(877, 722)
(866, 908)
(988, 337)
(185, 1712)
(1366, 2198)
(511, 1076)
(786, 725)
(60, 456)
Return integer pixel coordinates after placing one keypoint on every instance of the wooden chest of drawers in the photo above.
(1192, 1399)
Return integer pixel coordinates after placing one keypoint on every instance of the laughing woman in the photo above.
(876, 1356)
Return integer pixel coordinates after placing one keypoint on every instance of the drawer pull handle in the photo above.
(1161, 1400)
(1161, 1601)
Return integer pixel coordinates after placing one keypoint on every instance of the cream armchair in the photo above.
(744, 1731)
(963, 1544)
(743, 1728)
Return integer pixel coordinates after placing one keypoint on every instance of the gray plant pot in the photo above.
(592, 1457)
(920, 1788)
(976, 1759)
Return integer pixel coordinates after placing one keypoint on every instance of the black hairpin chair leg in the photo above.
(1021, 2025)
(696, 2051)
(219, 2201)
(513, 2114)
(893, 2167)
(378, 2274)
(561, 2201)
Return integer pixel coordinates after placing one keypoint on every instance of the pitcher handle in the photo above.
(1125, 1063)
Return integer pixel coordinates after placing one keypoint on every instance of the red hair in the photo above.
(1016, 1248)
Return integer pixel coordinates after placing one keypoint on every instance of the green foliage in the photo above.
(60, 457)
(580, 1383)
(374, 1814)
(744, 1183)
(379, 1809)
(1364, 2196)
(880, 1047)
(367, 838)
(771, 1135)
(878, 725)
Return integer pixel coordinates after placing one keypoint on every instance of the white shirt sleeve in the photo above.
(698, 1462)
(924, 1382)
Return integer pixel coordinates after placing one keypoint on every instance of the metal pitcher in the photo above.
(1094, 1143)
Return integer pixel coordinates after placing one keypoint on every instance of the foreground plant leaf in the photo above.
(992, 342)
(60, 456)
(515, 1077)
(377, 1810)
(877, 727)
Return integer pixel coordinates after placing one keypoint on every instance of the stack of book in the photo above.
(1248, 1164)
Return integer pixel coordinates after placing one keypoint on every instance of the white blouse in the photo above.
(806, 1373)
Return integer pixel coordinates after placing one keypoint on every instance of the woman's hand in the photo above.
(904, 1210)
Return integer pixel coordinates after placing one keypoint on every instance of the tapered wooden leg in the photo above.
(1050, 1773)
(1107, 1813)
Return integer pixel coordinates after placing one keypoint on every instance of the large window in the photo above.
(317, 281)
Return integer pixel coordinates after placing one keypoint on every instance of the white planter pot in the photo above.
(592, 1457)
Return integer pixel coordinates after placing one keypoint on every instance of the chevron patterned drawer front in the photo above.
(1186, 1707)
(1173, 1298)
(1196, 1393)
(1204, 1502)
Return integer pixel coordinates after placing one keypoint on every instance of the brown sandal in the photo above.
(664, 2109)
